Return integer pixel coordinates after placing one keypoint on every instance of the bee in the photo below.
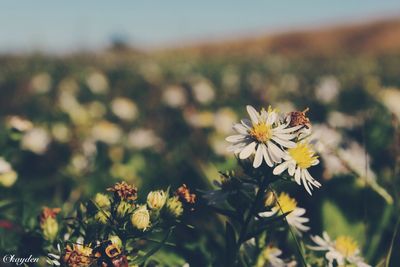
(299, 118)
(108, 254)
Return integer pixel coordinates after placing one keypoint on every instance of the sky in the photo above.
(67, 26)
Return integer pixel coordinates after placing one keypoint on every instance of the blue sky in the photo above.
(64, 26)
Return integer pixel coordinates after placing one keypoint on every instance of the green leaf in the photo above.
(231, 246)
(336, 223)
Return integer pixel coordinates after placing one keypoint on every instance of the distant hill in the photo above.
(371, 38)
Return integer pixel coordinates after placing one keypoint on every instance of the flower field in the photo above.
(201, 159)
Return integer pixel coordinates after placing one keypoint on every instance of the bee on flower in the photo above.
(286, 204)
(297, 161)
(266, 135)
(341, 251)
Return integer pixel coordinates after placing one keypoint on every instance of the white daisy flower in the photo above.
(343, 250)
(297, 160)
(270, 257)
(294, 218)
(265, 135)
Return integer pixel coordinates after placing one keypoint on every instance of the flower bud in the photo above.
(174, 206)
(156, 199)
(123, 208)
(115, 240)
(102, 216)
(49, 228)
(141, 218)
(102, 201)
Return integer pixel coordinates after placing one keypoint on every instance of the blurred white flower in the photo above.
(197, 119)
(286, 204)
(327, 89)
(79, 163)
(325, 138)
(289, 83)
(106, 132)
(36, 140)
(143, 138)
(219, 145)
(231, 79)
(174, 96)
(7, 175)
(97, 82)
(337, 119)
(18, 123)
(96, 109)
(41, 83)
(151, 71)
(89, 147)
(60, 132)
(224, 119)
(124, 108)
(358, 160)
(391, 98)
(256, 81)
(69, 85)
(270, 257)
(285, 107)
(340, 252)
(203, 92)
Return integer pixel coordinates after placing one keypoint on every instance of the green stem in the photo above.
(290, 230)
(259, 196)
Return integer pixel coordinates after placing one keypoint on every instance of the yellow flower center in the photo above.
(346, 246)
(261, 132)
(286, 203)
(303, 155)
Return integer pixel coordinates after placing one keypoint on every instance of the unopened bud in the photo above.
(156, 199)
(174, 206)
(123, 208)
(49, 228)
(141, 218)
(102, 201)
(102, 216)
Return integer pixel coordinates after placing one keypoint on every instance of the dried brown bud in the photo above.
(124, 191)
(299, 118)
(184, 195)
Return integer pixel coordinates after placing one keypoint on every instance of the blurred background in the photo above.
(96, 92)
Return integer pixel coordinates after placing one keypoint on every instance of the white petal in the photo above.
(240, 128)
(259, 157)
(283, 135)
(284, 143)
(297, 175)
(311, 180)
(266, 155)
(235, 138)
(280, 168)
(247, 123)
(291, 129)
(237, 147)
(276, 151)
(291, 169)
(304, 180)
(247, 151)
(253, 114)
(271, 118)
